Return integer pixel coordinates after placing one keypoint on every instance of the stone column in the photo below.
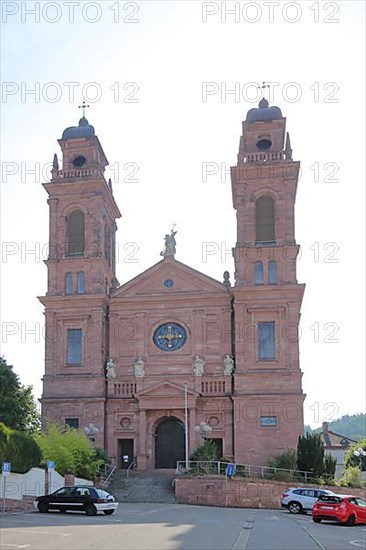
(191, 425)
(141, 455)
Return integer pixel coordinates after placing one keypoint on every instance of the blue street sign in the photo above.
(6, 468)
(230, 470)
(51, 465)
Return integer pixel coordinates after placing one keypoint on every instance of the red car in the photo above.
(345, 509)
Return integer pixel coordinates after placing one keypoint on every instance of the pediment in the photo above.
(165, 389)
(170, 278)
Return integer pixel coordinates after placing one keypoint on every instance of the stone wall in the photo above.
(240, 493)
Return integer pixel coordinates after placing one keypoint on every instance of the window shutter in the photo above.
(265, 220)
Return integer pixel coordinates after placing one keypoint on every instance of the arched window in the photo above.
(81, 282)
(258, 273)
(272, 272)
(68, 283)
(75, 233)
(265, 219)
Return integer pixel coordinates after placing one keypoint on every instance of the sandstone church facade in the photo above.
(173, 347)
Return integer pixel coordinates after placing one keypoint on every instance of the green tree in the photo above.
(287, 460)
(70, 449)
(18, 409)
(351, 460)
(18, 448)
(206, 452)
(310, 454)
(330, 463)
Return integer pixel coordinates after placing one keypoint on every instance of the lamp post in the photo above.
(186, 425)
(91, 432)
(360, 454)
(203, 429)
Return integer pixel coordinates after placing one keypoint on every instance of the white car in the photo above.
(302, 499)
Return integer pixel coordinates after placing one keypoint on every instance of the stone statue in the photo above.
(170, 244)
(228, 365)
(198, 366)
(226, 281)
(139, 366)
(111, 369)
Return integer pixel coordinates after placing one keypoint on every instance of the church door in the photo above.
(169, 443)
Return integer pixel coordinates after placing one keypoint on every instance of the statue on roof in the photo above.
(170, 244)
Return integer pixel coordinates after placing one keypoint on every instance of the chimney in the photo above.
(325, 427)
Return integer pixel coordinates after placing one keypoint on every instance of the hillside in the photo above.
(353, 426)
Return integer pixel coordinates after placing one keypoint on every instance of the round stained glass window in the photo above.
(170, 337)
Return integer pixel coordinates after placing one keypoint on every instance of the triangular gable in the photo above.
(181, 278)
(165, 389)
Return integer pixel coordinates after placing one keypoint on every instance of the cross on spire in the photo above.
(264, 85)
(83, 107)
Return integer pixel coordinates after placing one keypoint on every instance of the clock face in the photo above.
(79, 161)
(170, 337)
(264, 144)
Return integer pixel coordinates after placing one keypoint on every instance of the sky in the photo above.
(169, 84)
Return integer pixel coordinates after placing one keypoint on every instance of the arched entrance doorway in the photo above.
(169, 443)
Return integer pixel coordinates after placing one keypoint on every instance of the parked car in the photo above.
(345, 509)
(300, 499)
(86, 498)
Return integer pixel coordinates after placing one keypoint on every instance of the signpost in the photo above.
(6, 469)
(229, 473)
(50, 466)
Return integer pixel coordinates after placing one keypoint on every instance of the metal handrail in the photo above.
(133, 463)
(110, 474)
(218, 467)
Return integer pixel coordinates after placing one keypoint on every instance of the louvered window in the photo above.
(75, 234)
(265, 219)
(266, 340)
(74, 346)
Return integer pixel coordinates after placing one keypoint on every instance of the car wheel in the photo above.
(295, 508)
(42, 507)
(90, 510)
(351, 520)
(317, 520)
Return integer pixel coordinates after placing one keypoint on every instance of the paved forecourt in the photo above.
(176, 527)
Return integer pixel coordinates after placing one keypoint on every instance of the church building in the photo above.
(134, 364)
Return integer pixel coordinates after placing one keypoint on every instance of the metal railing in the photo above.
(242, 470)
(133, 463)
(105, 472)
(110, 474)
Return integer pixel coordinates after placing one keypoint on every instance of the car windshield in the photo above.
(333, 499)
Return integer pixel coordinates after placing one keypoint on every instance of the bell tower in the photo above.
(81, 274)
(267, 297)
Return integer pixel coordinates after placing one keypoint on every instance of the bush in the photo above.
(70, 449)
(351, 477)
(205, 452)
(19, 449)
(287, 460)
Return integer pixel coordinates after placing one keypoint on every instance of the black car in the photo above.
(86, 498)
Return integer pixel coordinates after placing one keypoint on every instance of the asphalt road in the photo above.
(176, 527)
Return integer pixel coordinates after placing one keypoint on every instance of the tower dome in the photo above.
(263, 112)
(83, 130)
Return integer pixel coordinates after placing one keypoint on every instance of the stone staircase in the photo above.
(146, 486)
